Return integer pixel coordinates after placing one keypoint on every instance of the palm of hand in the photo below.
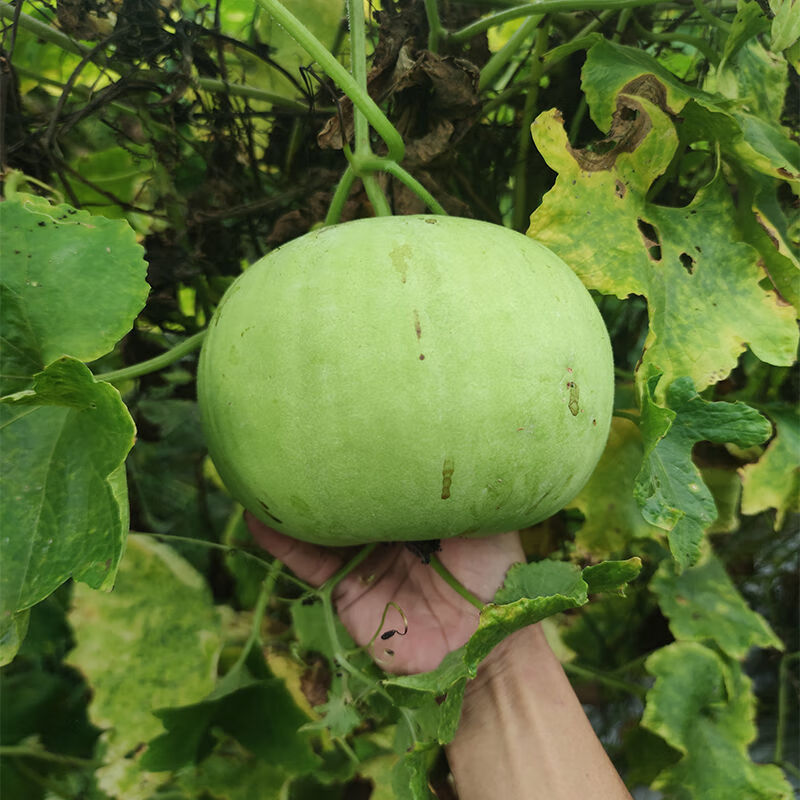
(438, 619)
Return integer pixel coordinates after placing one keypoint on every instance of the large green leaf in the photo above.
(774, 480)
(126, 646)
(669, 487)
(702, 605)
(701, 284)
(703, 706)
(612, 516)
(72, 284)
(231, 772)
(64, 510)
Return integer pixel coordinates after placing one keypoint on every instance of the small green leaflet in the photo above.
(774, 480)
(702, 705)
(703, 605)
(64, 509)
(669, 487)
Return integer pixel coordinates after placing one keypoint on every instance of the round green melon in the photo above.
(406, 378)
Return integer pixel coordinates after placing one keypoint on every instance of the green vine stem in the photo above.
(51, 35)
(701, 45)
(454, 583)
(497, 63)
(435, 29)
(343, 79)
(21, 751)
(395, 170)
(156, 363)
(260, 609)
(520, 183)
(340, 196)
(783, 703)
(226, 548)
(542, 8)
(604, 679)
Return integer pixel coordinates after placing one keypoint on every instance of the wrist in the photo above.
(517, 654)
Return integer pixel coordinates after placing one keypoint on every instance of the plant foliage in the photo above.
(151, 150)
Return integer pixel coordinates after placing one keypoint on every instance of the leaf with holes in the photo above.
(701, 284)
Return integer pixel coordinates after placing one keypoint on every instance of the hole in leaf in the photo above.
(688, 262)
(651, 240)
(619, 188)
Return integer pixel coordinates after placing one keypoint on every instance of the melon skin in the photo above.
(406, 378)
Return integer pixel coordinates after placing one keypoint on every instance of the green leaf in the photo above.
(12, 633)
(748, 22)
(410, 690)
(308, 623)
(774, 480)
(339, 716)
(669, 488)
(686, 261)
(764, 225)
(530, 593)
(752, 79)
(702, 605)
(725, 486)
(73, 284)
(785, 24)
(126, 643)
(410, 776)
(233, 773)
(611, 576)
(612, 517)
(702, 705)
(64, 511)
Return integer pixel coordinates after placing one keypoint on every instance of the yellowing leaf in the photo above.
(703, 706)
(774, 480)
(612, 516)
(702, 604)
(126, 643)
(701, 284)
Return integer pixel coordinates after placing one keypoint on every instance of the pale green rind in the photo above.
(406, 378)
(703, 605)
(702, 705)
(64, 509)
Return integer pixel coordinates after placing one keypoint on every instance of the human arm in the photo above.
(523, 734)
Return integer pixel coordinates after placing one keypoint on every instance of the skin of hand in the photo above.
(439, 619)
(523, 734)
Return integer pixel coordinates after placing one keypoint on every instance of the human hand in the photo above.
(439, 619)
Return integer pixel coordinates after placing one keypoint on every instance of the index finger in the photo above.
(310, 562)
